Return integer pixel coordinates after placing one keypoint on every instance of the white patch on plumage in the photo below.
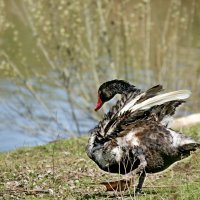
(157, 100)
(128, 140)
(167, 120)
(91, 144)
(179, 139)
(117, 153)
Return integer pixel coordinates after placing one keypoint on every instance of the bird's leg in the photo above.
(140, 170)
(142, 165)
(140, 183)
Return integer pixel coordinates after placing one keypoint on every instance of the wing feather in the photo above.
(155, 101)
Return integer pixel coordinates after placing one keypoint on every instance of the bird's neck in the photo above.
(123, 88)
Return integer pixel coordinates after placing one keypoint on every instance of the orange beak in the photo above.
(99, 104)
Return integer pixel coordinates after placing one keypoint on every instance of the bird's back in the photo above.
(160, 145)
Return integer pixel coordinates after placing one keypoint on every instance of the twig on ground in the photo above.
(29, 192)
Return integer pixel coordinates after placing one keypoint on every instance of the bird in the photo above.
(134, 137)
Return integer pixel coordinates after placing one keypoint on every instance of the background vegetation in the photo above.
(55, 54)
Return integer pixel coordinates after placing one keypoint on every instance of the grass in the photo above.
(62, 170)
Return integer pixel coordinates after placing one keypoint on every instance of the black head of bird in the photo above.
(110, 88)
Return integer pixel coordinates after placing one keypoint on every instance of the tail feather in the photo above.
(187, 148)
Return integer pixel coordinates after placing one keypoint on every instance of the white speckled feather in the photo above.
(179, 139)
(157, 100)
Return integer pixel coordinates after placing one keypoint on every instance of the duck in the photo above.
(134, 137)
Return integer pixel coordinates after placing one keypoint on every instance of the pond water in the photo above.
(26, 122)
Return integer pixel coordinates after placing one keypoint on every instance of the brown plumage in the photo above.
(133, 137)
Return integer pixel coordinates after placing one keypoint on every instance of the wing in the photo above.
(143, 106)
(156, 101)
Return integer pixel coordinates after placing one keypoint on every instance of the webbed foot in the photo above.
(139, 191)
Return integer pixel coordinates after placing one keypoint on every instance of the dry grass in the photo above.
(61, 170)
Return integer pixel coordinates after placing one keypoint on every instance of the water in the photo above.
(26, 122)
(11, 139)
